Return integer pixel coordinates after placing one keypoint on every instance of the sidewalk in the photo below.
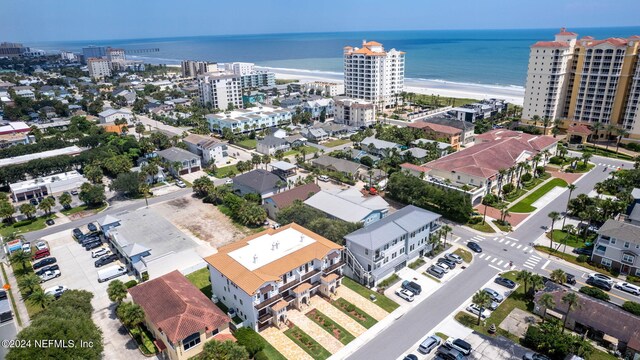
(19, 301)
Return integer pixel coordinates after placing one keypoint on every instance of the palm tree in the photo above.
(596, 128)
(571, 299)
(446, 230)
(621, 134)
(610, 129)
(571, 187)
(586, 156)
(547, 302)
(545, 123)
(537, 283)
(65, 200)
(525, 277)
(28, 210)
(46, 205)
(554, 216)
(558, 276)
(535, 119)
(130, 314)
(501, 174)
(569, 229)
(30, 282)
(482, 299)
(536, 160)
(20, 257)
(39, 297)
(117, 291)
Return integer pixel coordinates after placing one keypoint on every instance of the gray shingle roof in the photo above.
(259, 180)
(341, 165)
(271, 140)
(176, 154)
(620, 230)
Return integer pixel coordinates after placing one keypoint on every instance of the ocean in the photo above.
(486, 57)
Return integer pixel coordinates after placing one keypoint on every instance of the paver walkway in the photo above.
(363, 303)
(338, 316)
(314, 330)
(283, 344)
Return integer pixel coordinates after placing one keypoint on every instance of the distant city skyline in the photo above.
(120, 19)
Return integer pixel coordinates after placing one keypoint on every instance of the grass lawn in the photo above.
(307, 343)
(330, 326)
(524, 205)
(506, 228)
(384, 302)
(24, 226)
(482, 227)
(442, 336)
(515, 195)
(81, 208)
(416, 264)
(394, 278)
(201, 280)
(601, 355)
(570, 258)
(561, 236)
(464, 254)
(226, 171)
(10, 292)
(20, 272)
(531, 184)
(247, 143)
(298, 150)
(269, 351)
(354, 312)
(336, 142)
(607, 153)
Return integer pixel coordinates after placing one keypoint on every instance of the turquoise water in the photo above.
(497, 57)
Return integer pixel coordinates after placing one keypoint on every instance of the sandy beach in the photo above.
(512, 94)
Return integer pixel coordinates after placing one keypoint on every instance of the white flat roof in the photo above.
(29, 184)
(270, 247)
(71, 150)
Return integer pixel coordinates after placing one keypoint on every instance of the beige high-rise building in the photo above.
(192, 68)
(584, 81)
(99, 68)
(373, 74)
(219, 90)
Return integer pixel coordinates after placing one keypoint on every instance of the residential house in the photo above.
(111, 115)
(210, 150)
(317, 107)
(346, 167)
(277, 202)
(296, 140)
(258, 181)
(442, 133)
(180, 317)
(315, 135)
(467, 136)
(441, 147)
(265, 275)
(350, 205)
(377, 251)
(335, 129)
(179, 161)
(290, 103)
(270, 144)
(618, 247)
(151, 179)
(381, 148)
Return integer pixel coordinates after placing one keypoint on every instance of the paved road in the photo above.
(7, 332)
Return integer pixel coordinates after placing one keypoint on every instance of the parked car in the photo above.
(74, 192)
(3, 295)
(534, 356)
(47, 268)
(92, 227)
(454, 257)
(107, 259)
(495, 296)
(56, 291)
(324, 178)
(228, 182)
(181, 184)
(44, 262)
(571, 279)
(405, 294)
(100, 252)
(77, 233)
(88, 239)
(505, 282)
(49, 275)
(444, 268)
(92, 245)
(475, 310)
(429, 344)
(41, 254)
(50, 222)
(630, 288)
(410, 357)
(435, 271)
(449, 263)
(474, 246)
(448, 353)
(34, 202)
(26, 247)
(602, 277)
(460, 345)
(41, 245)
(583, 251)
(601, 284)
(412, 286)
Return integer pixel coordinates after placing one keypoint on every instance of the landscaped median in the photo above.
(524, 205)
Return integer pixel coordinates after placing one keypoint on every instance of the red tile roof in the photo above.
(612, 41)
(496, 150)
(436, 128)
(580, 129)
(563, 31)
(176, 307)
(302, 192)
(553, 44)
(411, 166)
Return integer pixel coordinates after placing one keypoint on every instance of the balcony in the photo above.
(264, 318)
(288, 286)
(268, 302)
(333, 268)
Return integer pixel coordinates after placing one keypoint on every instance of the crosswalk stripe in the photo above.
(536, 257)
(494, 260)
(481, 255)
(530, 264)
(525, 248)
(519, 246)
(506, 265)
(513, 244)
(527, 266)
(500, 262)
(495, 238)
(509, 237)
(488, 257)
(501, 240)
(507, 242)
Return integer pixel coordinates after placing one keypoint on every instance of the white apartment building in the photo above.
(239, 68)
(116, 55)
(353, 112)
(99, 68)
(327, 88)
(220, 90)
(246, 120)
(191, 68)
(373, 74)
(209, 149)
(264, 275)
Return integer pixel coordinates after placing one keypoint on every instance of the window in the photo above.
(628, 258)
(606, 262)
(613, 241)
(626, 244)
(366, 251)
(191, 341)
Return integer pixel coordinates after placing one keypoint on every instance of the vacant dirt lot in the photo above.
(203, 221)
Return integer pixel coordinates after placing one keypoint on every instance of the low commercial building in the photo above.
(247, 120)
(270, 144)
(111, 115)
(180, 317)
(377, 251)
(618, 247)
(179, 161)
(350, 205)
(266, 274)
(46, 185)
(210, 150)
(355, 113)
(481, 110)
(279, 201)
(69, 150)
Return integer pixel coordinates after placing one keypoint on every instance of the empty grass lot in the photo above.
(524, 205)
(247, 144)
(336, 142)
(384, 302)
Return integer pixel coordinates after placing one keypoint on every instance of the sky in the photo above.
(63, 20)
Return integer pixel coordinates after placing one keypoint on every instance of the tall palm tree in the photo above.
(535, 119)
(547, 302)
(537, 283)
(30, 282)
(610, 130)
(525, 277)
(571, 187)
(501, 174)
(586, 156)
(483, 300)
(20, 257)
(596, 128)
(39, 297)
(558, 276)
(622, 132)
(571, 299)
(545, 123)
(554, 216)
(446, 230)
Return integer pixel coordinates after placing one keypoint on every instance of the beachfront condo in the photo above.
(247, 120)
(99, 68)
(220, 90)
(191, 69)
(373, 74)
(584, 81)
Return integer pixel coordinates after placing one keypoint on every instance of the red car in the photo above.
(41, 254)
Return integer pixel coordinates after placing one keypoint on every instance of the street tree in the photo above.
(92, 195)
(40, 298)
(47, 204)
(483, 300)
(6, 210)
(65, 200)
(130, 314)
(117, 291)
(554, 216)
(558, 276)
(28, 210)
(525, 277)
(571, 300)
(571, 188)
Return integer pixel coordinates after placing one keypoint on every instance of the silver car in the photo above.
(454, 257)
(495, 296)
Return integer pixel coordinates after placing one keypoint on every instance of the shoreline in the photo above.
(512, 94)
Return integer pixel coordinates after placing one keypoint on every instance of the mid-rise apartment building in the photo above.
(265, 274)
(326, 88)
(256, 79)
(239, 68)
(246, 120)
(220, 90)
(373, 74)
(584, 81)
(13, 49)
(192, 69)
(99, 68)
(354, 112)
(92, 51)
(116, 55)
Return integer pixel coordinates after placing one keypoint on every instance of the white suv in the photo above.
(405, 294)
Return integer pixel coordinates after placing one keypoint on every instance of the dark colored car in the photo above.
(77, 233)
(583, 251)
(410, 357)
(534, 356)
(74, 192)
(50, 222)
(47, 268)
(3, 295)
(92, 227)
(571, 279)
(44, 262)
(601, 284)
(33, 202)
(107, 259)
(411, 286)
(505, 282)
(92, 245)
(451, 264)
(474, 246)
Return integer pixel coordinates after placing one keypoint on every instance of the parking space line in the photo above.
(501, 240)
(481, 255)
(507, 242)
(494, 260)
(525, 249)
(513, 244)
(506, 265)
(519, 246)
(488, 257)
(500, 262)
